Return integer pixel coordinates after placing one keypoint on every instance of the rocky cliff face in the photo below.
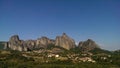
(30, 44)
(65, 42)
(15, 43)
(87, 45)
(44, 42)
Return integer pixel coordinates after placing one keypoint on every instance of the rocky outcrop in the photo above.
(44, 42)
(16, 44)
(30, 44)
(65, 42)
(87, 45)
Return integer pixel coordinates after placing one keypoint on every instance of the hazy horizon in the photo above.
(81, 20)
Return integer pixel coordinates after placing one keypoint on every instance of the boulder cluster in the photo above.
(63, 41)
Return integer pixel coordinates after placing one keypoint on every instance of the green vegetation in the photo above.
(75, 50)
(15, 59)
(50, 46)
(98, 51)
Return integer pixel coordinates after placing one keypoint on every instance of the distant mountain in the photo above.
(63, 41)
(117, 52)
(88, 45)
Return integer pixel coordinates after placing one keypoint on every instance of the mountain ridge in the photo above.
(64, 41)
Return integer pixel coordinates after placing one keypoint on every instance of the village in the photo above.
(49, 56)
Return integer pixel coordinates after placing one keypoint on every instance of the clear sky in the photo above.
(80, 19)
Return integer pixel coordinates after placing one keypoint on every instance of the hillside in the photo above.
(17, 59)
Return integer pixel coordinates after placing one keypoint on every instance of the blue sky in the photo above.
(80, 19)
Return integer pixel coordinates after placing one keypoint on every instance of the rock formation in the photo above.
(16, 44)
(65, 42)
(87, 45)
(30, 44)
(44, 42)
